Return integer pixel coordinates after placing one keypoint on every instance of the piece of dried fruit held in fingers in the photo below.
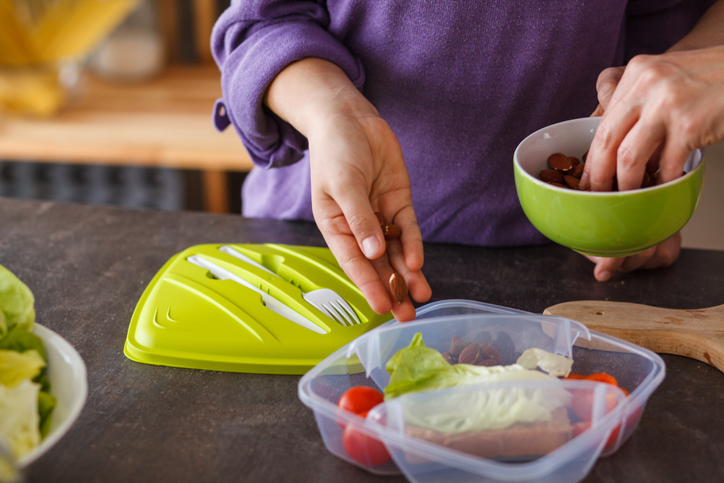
(391, 231)
(398, 287)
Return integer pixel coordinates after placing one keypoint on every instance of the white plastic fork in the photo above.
(326, 300)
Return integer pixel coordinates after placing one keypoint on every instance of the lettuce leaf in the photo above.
(19, 419)
(21, 339)
(483, 410)
(16, 367)
(26, 404)
(17, 304)
(46, 404)
(420, 368)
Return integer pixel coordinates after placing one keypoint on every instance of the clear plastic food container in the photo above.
(506, 430)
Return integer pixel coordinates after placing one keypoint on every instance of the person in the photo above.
(351, 108)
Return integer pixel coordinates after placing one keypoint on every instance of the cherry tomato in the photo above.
(364, 449)
(603, 377)
(613, 437)
(582, 404)
(583, 401)
(582, 426)
(360, 399)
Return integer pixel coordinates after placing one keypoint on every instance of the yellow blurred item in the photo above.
(41, 38)
(32, 91)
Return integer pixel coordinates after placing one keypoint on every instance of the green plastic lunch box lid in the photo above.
(188, 317)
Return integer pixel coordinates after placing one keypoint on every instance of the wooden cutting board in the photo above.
(695, 333)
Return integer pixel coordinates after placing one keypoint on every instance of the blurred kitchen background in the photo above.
(109, 102)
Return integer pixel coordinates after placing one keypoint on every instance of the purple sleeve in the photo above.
(252, 42)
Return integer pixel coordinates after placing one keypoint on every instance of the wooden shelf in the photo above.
(165, 122)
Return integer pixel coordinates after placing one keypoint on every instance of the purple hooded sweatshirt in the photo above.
(460, 83)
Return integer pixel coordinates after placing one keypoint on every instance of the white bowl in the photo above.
(68, 383)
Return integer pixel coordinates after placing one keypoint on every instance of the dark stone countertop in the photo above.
(88, 266)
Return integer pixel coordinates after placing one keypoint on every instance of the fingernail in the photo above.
(370, 245)
(583, 184)
(604, 276)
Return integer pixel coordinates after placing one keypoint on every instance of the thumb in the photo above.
(606, 267)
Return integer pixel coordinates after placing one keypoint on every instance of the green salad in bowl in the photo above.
(26, 404)
(43, 382)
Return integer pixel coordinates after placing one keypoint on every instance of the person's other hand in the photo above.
(656, 111)
(661, 255)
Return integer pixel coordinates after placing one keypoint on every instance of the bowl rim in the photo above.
(698, 159)
(80, 381)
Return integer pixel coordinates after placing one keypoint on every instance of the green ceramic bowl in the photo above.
(610, 224)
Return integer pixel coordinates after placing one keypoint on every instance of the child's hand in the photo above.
(357, 169)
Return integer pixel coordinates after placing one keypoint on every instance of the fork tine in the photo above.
(334, 314)
(333, 306)
(340, 310)
(322, 308)
(350, 311)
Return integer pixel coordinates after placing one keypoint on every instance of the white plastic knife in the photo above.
(270, 302)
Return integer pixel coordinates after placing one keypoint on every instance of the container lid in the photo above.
(191, 317)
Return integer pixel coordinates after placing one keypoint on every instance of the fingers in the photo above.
(602, 159)
(673, 159)
(347, 233)
(411, 239)
(666, 253)
(662, 255)
(635, 151)
(606, 267)
(404, 257)
(606, 85)
(671, 101)
(362, 221)
(417, 284)
(353, 262)
(357, 168)
(598, 112)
